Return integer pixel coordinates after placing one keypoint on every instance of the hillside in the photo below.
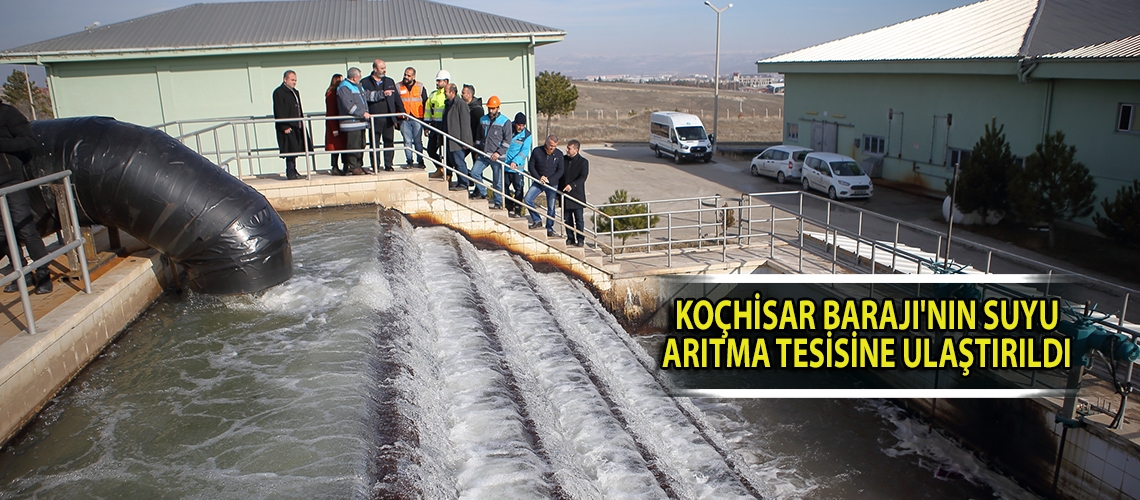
(619, 112)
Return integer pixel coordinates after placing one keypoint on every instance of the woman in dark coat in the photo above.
(290, 134)
(334, 141)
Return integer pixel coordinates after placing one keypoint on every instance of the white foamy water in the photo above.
(404, 363)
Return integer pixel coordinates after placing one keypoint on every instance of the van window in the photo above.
(813, 163)
(691, 133)
(659, 129)
(846, 168)
(781, 156)
(799, 156)
(767, 155)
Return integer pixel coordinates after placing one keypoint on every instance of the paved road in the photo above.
(636, 169)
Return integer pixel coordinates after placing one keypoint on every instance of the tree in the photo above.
(555, 94)
(1052, 185)
(16, 94)
(615, 208)
(983, 181)
(1121, 220)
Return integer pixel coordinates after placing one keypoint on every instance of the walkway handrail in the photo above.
(15, 254)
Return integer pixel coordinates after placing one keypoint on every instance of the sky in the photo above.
(604, 37)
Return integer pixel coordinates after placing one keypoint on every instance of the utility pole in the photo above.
(716, 76)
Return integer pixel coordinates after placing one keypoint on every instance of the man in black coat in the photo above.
(457, 123)
(383, 98)
(17, 141)
(291, 136)
(573, 183)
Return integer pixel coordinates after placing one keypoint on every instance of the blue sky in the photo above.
(603, 36)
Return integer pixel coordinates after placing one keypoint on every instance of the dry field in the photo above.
(619, 112)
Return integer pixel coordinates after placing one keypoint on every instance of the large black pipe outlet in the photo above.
(144, 182)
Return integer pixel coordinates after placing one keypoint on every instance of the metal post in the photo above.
(237, 154)
(989, 259)
(669, 247)
(716, 77)
(772, 235)
(895, 247)
(859, 240)
(938, 249)
(17, 259)
(801, 257)
(67, 190)
(950, 221)
(32, 100)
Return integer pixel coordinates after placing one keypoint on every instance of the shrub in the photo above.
(1121, 220)
(627, 223)
(1052, 185)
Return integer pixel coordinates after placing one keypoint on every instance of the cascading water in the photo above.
(405, 363)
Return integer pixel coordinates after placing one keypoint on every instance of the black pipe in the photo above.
(142, 181)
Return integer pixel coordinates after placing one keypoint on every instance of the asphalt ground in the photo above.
(634, 168)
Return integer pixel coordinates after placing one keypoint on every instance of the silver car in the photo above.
(781, 162)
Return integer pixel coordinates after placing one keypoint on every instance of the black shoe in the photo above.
(14, 287)
(335, 171)
(496, 207)
(513, 214)
(474, 195)
(389, 169)
(457, 187)
(43, 281)
(420, 165)
(533, 225)
(550, 233)
(292, 176)
(580, 243)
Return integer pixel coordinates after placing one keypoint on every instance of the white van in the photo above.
(679, 134)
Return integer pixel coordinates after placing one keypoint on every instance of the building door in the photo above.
(824, 136)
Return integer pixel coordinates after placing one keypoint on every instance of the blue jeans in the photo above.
(481, 163)
(551, 196)
(459, 163)
(514, 189)
(413, 131)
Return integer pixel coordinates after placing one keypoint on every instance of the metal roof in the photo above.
(269, 24)
(991, 29)
(1126, 47)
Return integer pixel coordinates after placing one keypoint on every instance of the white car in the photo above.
(837, 175)
(781, 162)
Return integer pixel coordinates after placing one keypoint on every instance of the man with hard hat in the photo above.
(497, 135)
(433, 115)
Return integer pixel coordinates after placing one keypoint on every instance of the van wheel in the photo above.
(831, 193)
(754, 172)
(677, 158)
(780, 177)
(657, 151)
(807, 185)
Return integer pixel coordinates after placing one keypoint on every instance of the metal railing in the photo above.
(16, 254)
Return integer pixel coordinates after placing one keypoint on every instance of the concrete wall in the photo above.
(1085, 110)
(34, 367)
(153, 91)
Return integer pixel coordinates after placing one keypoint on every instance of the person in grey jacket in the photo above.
(457, 123)
(497, 131)
(351, 102)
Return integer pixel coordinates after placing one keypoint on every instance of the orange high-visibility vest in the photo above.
(413, 99)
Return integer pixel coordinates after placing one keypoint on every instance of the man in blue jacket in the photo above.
(514, 161)
(546, 165)
(350, 101)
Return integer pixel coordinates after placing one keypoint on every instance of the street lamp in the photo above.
(716, 76)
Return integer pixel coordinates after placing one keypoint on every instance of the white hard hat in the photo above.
(443, 75)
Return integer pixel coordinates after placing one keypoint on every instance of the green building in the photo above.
(225, 59)
(911, 99)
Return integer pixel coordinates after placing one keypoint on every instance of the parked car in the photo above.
(837, 175)
(679, 135)
(781, 162)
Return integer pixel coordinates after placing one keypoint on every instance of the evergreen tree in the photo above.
(16, 94)
(1052, 185)
(625, 223)
(1121, 220)
(556, 95)
(983, 181)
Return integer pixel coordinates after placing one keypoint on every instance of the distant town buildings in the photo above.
(762, 82)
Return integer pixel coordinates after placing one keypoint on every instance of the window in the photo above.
(792, 131)
(659, 129)
(1126, 120)
(767, 155)
(958, 157)
(780, 156)
(874, 145)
